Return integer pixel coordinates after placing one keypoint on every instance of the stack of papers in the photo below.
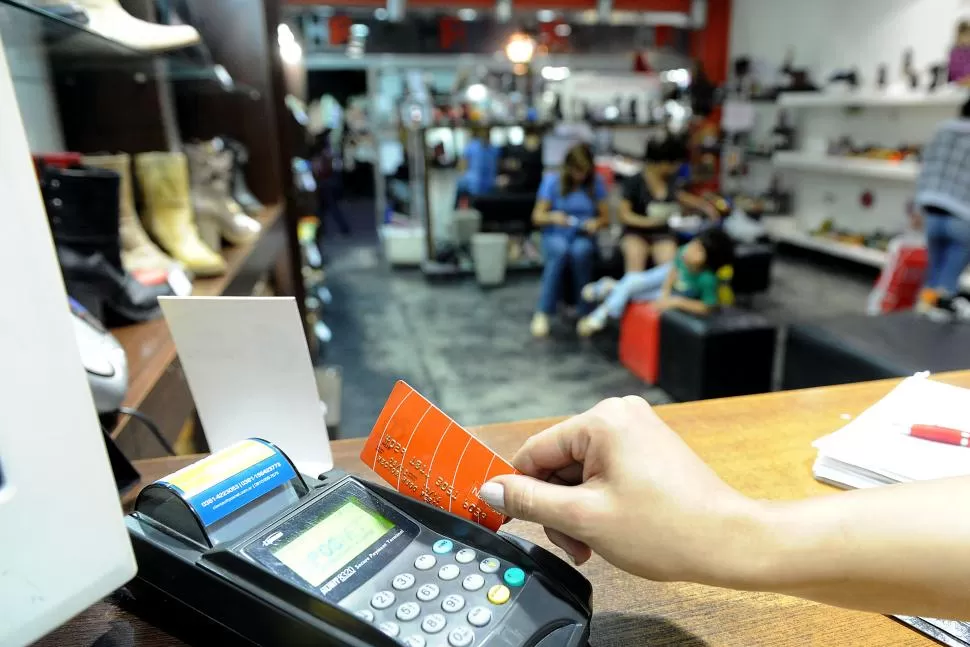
(875, 448)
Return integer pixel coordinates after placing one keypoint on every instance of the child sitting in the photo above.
(689, 283)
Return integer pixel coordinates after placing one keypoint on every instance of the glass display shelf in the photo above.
(32, 32)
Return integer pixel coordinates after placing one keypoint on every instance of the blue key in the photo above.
(442, 546)
(515, 576)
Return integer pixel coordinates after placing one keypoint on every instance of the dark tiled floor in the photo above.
(469, 350)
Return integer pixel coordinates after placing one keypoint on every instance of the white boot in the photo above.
(109, 19)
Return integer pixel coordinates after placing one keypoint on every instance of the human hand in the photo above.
(591, 226)
(663, 303)
(559, 218)
(617, 480)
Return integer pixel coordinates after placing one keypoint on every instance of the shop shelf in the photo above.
(942, 98)
(901, 171)
(72, 48)
(156, 385)
(784, 229)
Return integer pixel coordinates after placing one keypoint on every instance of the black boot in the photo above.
(240, 190)
(83, 210)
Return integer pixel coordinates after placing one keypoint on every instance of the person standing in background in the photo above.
(943, 201)
(570, 208)
(327, 167)
(478, 165)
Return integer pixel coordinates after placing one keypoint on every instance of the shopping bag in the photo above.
(899, 283)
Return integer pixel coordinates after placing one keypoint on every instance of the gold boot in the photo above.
(164, 180)
(139, 255)
(216, 211)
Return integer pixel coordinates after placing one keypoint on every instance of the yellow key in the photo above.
(499, 594)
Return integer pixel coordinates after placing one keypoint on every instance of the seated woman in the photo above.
(689, 283)
(649, 200)
(570, 208)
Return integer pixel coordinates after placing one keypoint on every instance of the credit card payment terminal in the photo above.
(276, 558)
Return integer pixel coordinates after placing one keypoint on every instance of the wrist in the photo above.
(751, 553)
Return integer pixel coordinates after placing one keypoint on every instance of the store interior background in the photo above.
(372, 322)
(470, 350)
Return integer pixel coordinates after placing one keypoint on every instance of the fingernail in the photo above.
(494, 495)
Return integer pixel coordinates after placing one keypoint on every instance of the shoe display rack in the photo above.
(188, 111)
(855, 169)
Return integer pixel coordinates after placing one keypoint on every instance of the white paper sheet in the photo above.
(249, 370)
(877, 439)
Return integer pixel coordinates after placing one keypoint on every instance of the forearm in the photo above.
(691, 201)
(541, 215)
(692, 306)
(628, 217)
(898, 549)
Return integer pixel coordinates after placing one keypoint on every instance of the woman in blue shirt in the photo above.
(570, 208)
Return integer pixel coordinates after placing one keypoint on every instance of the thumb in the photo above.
(523, 497)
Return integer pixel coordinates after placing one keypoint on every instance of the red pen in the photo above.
(938, 434)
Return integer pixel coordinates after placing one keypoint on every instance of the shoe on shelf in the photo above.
(107, 18)
(596, 292)
(217, 213)
(164, 182)
(111, 296)
(83, 210)
(540, 325)
(139, 255)
(240, 190)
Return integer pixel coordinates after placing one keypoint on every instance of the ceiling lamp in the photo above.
(520, 49)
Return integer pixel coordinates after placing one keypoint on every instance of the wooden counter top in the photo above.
(759, 444)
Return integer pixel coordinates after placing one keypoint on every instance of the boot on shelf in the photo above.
(139, 255)
(164, 182)
(83, 211)
(240, 190)
(109, 19)
(218, 214)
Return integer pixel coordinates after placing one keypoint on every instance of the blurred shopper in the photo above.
(943, 198)
(649, 200)
(689, 283)
(478, 165)
(522, 165)
(327, 168)
(570, 208)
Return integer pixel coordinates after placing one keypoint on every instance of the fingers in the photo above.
(555, 448)
(577, 550)
(561, 507)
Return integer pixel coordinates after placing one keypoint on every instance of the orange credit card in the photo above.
(425, 454)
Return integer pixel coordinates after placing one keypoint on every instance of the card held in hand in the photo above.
(425, 454)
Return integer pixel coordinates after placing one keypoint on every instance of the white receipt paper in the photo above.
(249, 370)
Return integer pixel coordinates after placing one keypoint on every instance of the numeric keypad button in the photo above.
(448, 572)
(434, 623)
(479, 616)
(461, 636)
(382, 599)
(408, 611)
(453, 603)
(428, 592)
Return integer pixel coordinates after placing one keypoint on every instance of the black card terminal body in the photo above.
(341, 561)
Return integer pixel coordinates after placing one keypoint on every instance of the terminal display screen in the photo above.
(331, 541)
